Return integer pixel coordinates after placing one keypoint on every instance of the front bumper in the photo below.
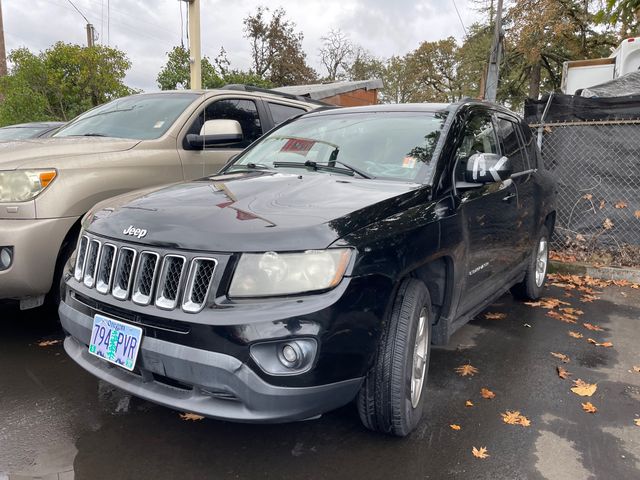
(36, 246)
(212, 384)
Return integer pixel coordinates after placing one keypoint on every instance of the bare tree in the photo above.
(335, 53)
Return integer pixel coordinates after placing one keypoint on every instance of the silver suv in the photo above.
(132, 143)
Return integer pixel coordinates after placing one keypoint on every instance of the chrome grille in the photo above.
(81, 256)
(91, 263)
(198, 283)
(145, 277)
(169, 282)
(105, 268)
(123, 273)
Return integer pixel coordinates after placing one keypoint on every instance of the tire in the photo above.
(385, 402)
(532, 285)
(55, 295)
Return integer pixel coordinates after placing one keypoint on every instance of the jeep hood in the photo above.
(49, 152)
(254, 212)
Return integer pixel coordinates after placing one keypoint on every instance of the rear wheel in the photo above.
(532, 285)
(392, 396)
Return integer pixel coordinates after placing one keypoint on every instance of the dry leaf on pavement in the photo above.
(637, 421)
(589, 407)
(486, 393)
(584, 389)
(637, 214)
(636, 368)
(607, 224)
(480, 453)
(515, 418)
(571, 311)
(605, 344)
(468, 403)
(594, 328)
(48, 343)
(495, 316)
(620, 204)
(562, 373)
(561, 356)
(191, 417)
(575, 335)
(464, 370)
(453, 426)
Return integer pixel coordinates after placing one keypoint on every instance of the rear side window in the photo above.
(280, 112)
(512, 144)
(243, 111)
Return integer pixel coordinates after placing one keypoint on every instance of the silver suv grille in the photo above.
(145, 277)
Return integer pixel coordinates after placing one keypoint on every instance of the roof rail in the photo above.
(251, 88)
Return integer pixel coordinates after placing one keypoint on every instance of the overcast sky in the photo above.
(147, 29)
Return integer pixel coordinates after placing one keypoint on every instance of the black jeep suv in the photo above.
(317, 267)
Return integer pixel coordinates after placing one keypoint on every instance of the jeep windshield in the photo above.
(140, 117)
(389, 145)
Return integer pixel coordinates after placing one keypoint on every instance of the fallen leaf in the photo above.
(486, 393)
(480, 453)
(571, 311)
(637, 421)
(495, 316)
(588, 298)
(453, 426)
(584, 389)
(563, 318)
(191, 417)
(48, 343)
(620, 204)
(605, 344)
(588, 196)
(607, 224)
(636, 369)
(561, 356)
(594, 328)
(515, 418)
(468, 403)
(637, 214)
(575, 335)
(602, 204)
(589, 407)
(562, 373)
(464, 370)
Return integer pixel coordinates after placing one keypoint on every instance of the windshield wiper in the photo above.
(349, 170)
(247, 166)
(91, 135)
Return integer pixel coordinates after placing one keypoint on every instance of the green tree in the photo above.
(364, 66)
(276, 48)
(61, 82)
(625, 13)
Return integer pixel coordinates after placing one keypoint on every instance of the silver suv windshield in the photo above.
(389, 145)
(140, 117)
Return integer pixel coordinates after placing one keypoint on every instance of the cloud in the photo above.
(147, 29)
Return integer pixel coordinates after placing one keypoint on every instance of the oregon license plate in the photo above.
(115, 341)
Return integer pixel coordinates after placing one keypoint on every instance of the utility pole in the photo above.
(91, 36)
(3, 53)
(194, 44)
(493, 74)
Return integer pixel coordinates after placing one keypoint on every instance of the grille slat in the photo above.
(144, 277)
(105, 268)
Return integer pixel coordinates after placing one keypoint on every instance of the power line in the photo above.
(459, 17)
(77, 10)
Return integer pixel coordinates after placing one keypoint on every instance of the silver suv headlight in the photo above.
(23, 185)
(272, 274)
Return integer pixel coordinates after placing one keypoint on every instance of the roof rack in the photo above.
(251, 88)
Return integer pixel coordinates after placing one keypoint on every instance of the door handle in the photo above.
(508, 197)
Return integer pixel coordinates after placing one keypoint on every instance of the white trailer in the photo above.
(580, 74)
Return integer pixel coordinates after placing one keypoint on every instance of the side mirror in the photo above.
(216, 132)
(487, 168)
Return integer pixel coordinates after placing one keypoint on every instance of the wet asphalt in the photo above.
(58, 422)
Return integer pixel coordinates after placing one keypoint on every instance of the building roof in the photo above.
(319, 91)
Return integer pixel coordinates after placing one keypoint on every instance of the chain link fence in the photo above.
(597, 167)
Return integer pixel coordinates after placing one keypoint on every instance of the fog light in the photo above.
(6, 257)
(288, 357)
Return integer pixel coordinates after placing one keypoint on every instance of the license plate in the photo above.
(115, 341)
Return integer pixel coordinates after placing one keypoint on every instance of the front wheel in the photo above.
(531, 287)
(392, 396)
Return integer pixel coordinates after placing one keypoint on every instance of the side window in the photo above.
(280, 112)
(244, 111)
(478, 136)
(512, 144)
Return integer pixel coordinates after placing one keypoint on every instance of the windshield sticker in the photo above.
(409, 162)
(298, 145)
(159, 124)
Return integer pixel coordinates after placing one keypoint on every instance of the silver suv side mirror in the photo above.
(216, 132)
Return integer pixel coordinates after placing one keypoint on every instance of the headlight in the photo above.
(270, 274)
(22, 185)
